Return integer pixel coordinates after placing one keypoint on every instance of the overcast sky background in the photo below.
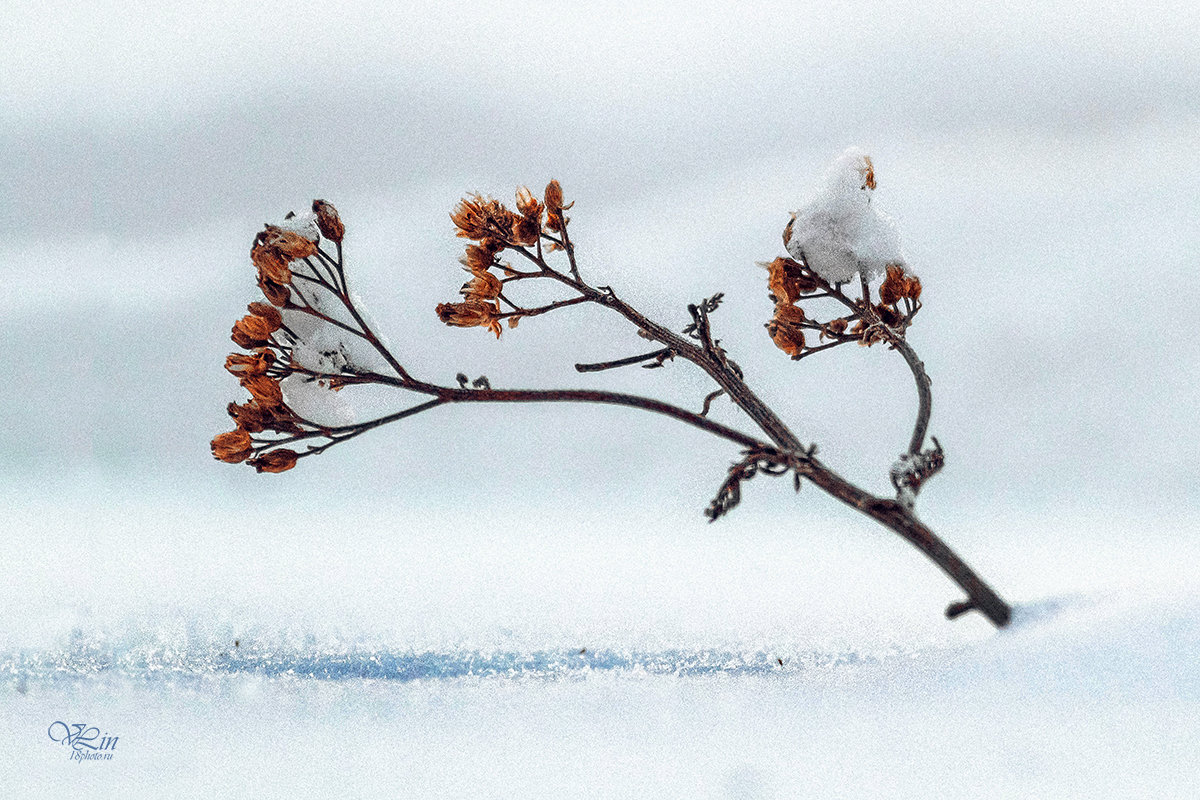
(1041, 163)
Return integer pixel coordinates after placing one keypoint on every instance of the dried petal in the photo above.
(251, 332)
(328, 221)
(256, 364)
(269, 313)
(471, 313)
(482, 286)
(868, 173)
(484, 220)
(280, 460)
(233, 447)
(263, 389)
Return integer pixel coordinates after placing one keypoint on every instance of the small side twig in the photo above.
(708, 401)
(661, 355)
(755, 460)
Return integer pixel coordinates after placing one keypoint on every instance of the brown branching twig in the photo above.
(293, 266)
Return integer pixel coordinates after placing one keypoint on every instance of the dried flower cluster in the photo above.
(791, 282)
(306, 298)
(494, 228)
(285, 256)
(838, 236)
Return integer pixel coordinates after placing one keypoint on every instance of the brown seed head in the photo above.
(256, 363)
(264, 390)
(252, 331)
(837, 326)
(788, 281)
(485, 220)
(269, 313)
(789, 314)
(893, 286)
(280, 460)
(249, 416)
(786, 338)
(471, 313)
(290, 244)
(525, 231)
(785, 329)
(479, 258)
(253, 418)
(912, 287)
(527, 204)
(787, 230)
(555, 220)
(888, 316)
(277, 294)
(328, 222)
(554, 196)
(271, 264)
(482, 286)
(233, 447)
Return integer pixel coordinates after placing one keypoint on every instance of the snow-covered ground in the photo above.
(373, 654)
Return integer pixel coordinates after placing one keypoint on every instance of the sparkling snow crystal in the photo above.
(840, 233)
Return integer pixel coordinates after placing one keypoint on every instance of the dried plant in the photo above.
(311, 339)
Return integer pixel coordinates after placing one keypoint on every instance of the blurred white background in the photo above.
(1041, 162)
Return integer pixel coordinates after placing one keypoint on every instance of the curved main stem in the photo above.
(901, 521)
(887, 512)
(706, 354)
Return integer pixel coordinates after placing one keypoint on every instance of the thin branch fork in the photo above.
(533, 312)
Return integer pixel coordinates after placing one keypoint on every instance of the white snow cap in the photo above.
(304, 224)
(840, 233)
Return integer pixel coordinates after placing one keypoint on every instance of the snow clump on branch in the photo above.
(839, 233)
